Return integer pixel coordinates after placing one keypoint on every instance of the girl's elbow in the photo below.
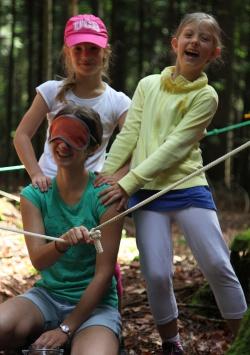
(105, 277)
(18, 139)
(37, 264)
(15, 139)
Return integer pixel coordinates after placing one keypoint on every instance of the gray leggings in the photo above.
(203, 234)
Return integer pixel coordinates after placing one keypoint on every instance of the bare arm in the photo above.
(114, 193)
(105, 265)
(43, 254)
(121, 120)
(112, 179)
(102, 178)
(125, 168)
(26, 129)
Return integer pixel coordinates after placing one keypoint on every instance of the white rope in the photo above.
(31, 234)
(171, 187)
(10, 196)
(96, 236)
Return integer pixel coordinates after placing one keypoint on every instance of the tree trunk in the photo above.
(30, 49)
(47, 40)
(118, 39)
(10, 87)
(73, 7)
(225, 114)
(141, 37)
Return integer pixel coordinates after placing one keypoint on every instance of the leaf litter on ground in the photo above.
(200, 335)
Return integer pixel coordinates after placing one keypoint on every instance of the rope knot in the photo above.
(95, 235)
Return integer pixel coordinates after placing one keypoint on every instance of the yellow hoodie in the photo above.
(161, 134)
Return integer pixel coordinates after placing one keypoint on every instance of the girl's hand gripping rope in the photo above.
(95, 235)
(82, 235)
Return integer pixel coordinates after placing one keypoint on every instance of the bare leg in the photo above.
(19, 319)
(95, 340)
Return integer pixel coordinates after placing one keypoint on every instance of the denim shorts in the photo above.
(55, 310)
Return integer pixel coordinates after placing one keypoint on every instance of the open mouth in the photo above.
(63, 150)
(191, 54)
(63, 155)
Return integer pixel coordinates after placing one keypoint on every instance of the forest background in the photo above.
(31, 39)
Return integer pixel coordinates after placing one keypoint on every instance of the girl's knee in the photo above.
(6, 325)
(219, 270)
(84, 342)
(12, 331)
(159, 280)
(6, 333)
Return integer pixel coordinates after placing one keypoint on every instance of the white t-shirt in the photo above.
(110, 105)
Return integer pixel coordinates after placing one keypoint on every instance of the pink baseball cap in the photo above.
(85, 28)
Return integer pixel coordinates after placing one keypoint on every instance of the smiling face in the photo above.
(195, 47)
(67, 157)
(86, 58)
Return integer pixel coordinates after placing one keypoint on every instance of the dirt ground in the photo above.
(201, 333)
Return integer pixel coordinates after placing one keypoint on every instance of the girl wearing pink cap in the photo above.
(75, 300)
(86, 57)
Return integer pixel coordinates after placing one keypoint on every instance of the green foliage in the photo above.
(204, 297)
(240, 259)
(241, 242)
(241, 345)
(140, 34)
